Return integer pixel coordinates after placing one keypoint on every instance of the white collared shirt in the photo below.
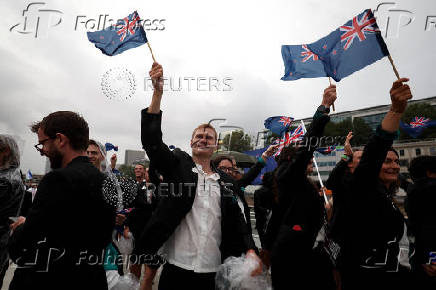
(195, 243)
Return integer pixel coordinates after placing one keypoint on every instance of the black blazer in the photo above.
(176, 168)
(69, 224)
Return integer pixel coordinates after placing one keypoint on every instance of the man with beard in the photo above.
(59, 244)
(198, 221)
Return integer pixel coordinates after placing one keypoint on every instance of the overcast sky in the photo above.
(240, 40)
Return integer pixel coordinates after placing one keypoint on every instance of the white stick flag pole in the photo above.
(316, 166)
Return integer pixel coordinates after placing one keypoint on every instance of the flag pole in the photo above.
(152, 55)
(333, 105)
(317, 169)
(393, 66)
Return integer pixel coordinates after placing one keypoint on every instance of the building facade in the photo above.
(134, 156)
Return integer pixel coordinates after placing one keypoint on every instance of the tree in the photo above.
(361, 131)
(127, 170)
(239, 141)
(419, 110)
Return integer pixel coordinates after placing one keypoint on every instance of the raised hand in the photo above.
(329, 96)
(156, 74)
(400, 94)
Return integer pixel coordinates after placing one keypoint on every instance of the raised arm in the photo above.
(313, 135)
(255, 170)
(151, 133)
(377, 147)
(156, 74)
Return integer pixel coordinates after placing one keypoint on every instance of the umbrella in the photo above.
(242, 160)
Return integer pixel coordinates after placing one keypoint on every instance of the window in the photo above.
(401, 152)
(404, 163)
(433, 151)
(418, 151)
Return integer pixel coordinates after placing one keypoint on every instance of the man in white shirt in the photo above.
(198, 222)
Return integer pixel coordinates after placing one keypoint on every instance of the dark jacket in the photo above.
(142, 209)
(301, 212)
(177, 198)
(374, 224)
(263, 204)
(246, 180)
(66, 231)
(338, 182)
(421, 198)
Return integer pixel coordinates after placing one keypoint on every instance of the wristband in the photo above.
(260, 159)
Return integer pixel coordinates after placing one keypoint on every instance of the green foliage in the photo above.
(239, 141)
(127, 170)
(361, 130)
(419, 110)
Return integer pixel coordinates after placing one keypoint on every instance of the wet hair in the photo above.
(286, 154)
(13, 158)
(68, 123)
(205, 126)
(420, 165)
(99, 146)
(220, 158)
(395, 151)
(140, 164)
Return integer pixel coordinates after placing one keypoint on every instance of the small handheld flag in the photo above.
(110, 146)
(278, 124)
(29, 175)
(349, 48)
(417, 126)
(126, 34)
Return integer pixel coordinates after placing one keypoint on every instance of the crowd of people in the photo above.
(85, 226)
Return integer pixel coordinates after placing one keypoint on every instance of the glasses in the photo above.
(227, 169)
(39, 146)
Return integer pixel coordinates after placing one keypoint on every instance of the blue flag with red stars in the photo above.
(349, 48)
(126, 34)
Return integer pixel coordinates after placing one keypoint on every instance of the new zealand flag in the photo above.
(126, 34)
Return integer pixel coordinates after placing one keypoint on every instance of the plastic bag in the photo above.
(117, 282)
(125, 245)
(235, 274)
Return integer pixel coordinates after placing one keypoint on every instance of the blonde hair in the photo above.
(205, 126)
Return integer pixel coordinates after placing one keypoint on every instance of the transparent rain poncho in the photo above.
(119, 191)
(235, 274)
(11, 190)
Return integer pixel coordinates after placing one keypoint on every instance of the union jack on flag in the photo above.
(307, 54)
(286, 121)
(297, 134)
(127, 33)
(358, 28)
(128, 25)
(419, 122)
(283, 142)
(288, 138)
(326, 150)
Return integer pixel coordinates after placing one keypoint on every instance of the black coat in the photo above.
(176, 168)
(69, 221)
(263, 204)
(297, 220)
(374, 224)
(142, 210)
(339, 182)
(421, 198)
